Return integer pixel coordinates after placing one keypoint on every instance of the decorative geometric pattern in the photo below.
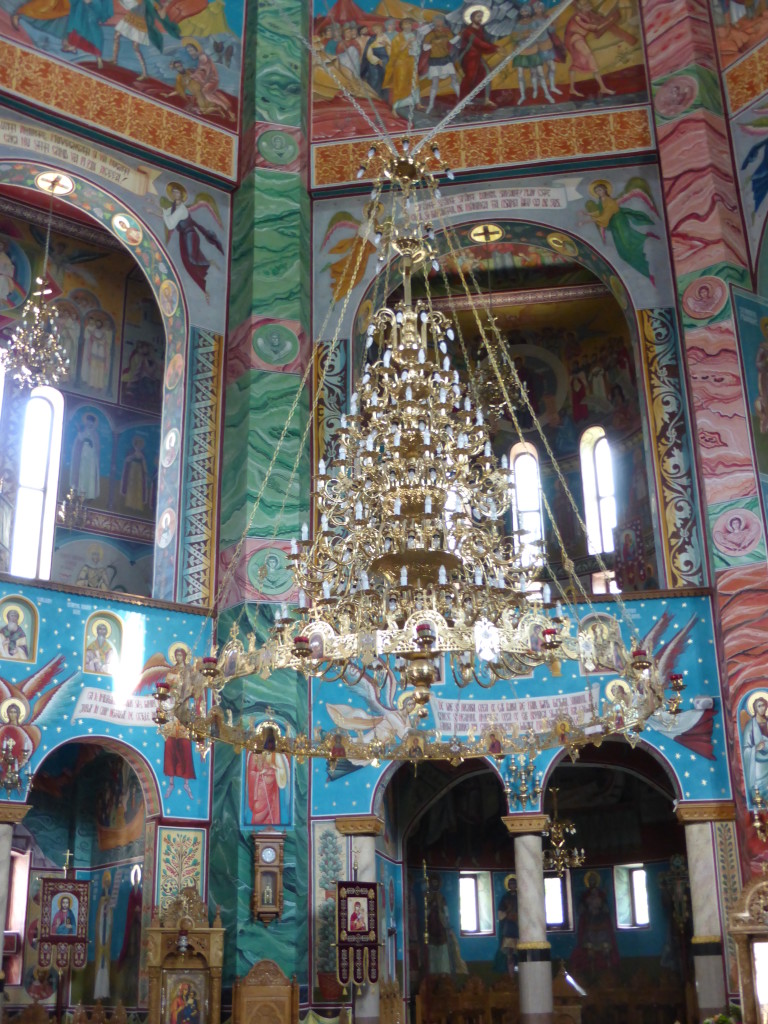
(729, 887)
(71, 93)
(680, 528)
(202, 436)
(333, 398)
(492, 145)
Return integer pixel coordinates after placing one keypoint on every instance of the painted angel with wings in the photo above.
(612, 214)
(20, 706)
(384, 717)
(178, 762)
(354, 250)
(177, 216)
(63, 259)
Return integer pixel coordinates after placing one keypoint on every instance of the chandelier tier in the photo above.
(413, 572)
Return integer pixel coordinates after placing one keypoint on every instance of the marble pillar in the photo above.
(707, 941)
(10, 813)
(533, 950)
(362, 830)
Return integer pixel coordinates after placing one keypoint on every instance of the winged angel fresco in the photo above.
(384, 717)
(21, 705)
(613, 214)
(178, 216)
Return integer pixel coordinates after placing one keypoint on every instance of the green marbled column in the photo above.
(270, 248)
(269, 279)
(257, 407)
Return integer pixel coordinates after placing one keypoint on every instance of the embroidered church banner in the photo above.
(63, 923)
(357, 932)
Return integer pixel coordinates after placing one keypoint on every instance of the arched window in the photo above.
(527, 520)
(34, 519)
(599, 494)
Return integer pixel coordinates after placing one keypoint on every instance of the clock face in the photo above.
(268, 854)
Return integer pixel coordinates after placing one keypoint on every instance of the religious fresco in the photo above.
(616, 216)
(739, 531)
(750, 143)
(678, 631)
(62, 700)
(18, 633)
(405, 67)
(136, 209)
(110, 457)
(181, 863)
(267, 785)
(103, 563)
(186, 56)
(739, 28)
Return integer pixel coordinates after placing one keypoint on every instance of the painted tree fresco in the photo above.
(396, 65)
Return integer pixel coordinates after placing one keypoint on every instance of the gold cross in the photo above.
(67, 857)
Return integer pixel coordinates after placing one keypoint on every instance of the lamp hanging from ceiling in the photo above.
(34, 355)
(411, 571)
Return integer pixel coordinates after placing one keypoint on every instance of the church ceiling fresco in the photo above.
(393, 65)
(128, 67)
(616, 213)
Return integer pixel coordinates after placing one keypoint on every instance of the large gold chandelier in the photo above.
(412, 570)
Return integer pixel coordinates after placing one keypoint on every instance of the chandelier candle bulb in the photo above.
(304, 532)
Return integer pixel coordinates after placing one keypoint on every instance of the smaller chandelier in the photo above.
(523, 782)
(560, 857)
(34, 355)
(12, 771)
(72, 512)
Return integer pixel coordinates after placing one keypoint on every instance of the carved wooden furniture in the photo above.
(184, 961)
(435, 999)
(567, 1006)
(443, 999)
(390, 1002)
(748, 925)
(503, 1002)
(265, 996)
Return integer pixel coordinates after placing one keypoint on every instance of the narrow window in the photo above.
(35, 515)
(557, 902)
(527, 520)
(631, 885)
(599, 494)
(476, 903)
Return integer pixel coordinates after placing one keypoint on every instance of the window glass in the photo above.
(631, 889)
(468, 903)
(599, 494)
(35, 513)
(526, 501)
(476, 903)
(554, 904)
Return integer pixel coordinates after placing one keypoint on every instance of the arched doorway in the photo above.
(618, 924)
(92, 203)
(90, 809)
